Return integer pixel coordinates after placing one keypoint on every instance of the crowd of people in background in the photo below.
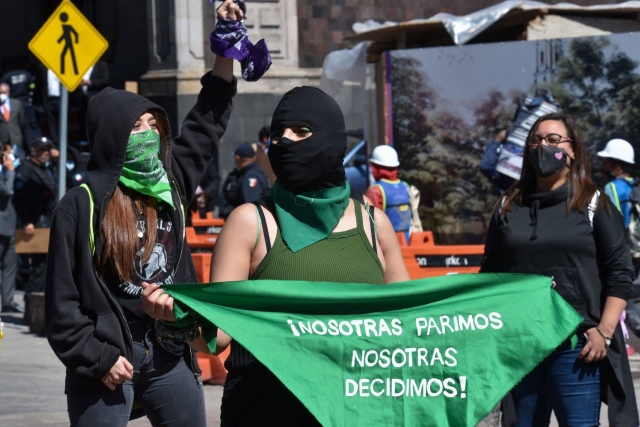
(553, 221)
(29, 140)
(29, 173)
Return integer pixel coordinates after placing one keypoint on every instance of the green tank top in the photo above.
(343, 257)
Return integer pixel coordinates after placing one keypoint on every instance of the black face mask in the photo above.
(315, 163)
(547, 161)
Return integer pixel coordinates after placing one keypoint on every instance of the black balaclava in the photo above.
(314, 163)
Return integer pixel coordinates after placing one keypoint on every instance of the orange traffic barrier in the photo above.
(202, 262)
(209, 221)
(212, 366)
(402, 239)
(424, 258)
(201, 240)
(422, 238)
(204, 232)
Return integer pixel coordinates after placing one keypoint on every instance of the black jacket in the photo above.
(7, 209)
(35, 194)
(211, 184)
(588, 263)
(246, 185)
(85, 326)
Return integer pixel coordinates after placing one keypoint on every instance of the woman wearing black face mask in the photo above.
(555, 222)
(308, 229)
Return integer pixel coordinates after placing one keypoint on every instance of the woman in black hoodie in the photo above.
(125, 229)
(554, 222)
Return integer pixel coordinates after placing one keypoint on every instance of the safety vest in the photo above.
(396, 203)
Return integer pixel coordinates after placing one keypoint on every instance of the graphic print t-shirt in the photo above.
(159, 268)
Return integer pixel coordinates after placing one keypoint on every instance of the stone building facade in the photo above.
(299, 33)
(323, 24)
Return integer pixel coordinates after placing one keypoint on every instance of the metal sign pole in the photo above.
(62, 161)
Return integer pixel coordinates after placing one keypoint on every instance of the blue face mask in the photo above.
(47, 164)
(16, 163)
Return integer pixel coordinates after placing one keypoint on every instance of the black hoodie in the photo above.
(85, 326)
(588, 262)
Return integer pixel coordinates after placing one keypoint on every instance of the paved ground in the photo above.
(32, 383)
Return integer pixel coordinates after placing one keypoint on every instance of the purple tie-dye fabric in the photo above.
(257, 62)
(230, 40)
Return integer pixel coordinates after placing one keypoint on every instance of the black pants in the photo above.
(164, 384)
(9, 266)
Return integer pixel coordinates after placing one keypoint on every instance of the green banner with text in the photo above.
(441, 351)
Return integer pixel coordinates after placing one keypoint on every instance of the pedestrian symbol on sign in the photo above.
(68, 44)
(67, 31)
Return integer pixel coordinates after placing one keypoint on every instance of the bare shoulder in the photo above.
(242, 219)
(382, 221)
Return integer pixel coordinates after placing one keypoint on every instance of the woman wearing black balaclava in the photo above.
(309, 230)
(555, 222)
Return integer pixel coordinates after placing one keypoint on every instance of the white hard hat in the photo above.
(385, 155)
(619, 149)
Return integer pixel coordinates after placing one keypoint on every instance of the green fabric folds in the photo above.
(306, 218)
(143, 171)
(439, 352)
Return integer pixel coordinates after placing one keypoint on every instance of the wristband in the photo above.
(607, 340)
(166, 333)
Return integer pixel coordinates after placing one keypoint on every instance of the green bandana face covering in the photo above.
(143, 171)
(308, 217)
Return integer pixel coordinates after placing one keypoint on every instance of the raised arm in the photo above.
(207, 121)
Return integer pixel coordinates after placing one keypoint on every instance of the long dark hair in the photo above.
(120, 224)
(581, 185)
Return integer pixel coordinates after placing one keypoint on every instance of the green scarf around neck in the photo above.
(143, 170)
(308, 217)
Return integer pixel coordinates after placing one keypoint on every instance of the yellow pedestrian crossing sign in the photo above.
(68, 45)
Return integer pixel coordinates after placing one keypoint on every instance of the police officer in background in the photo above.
(245, 184)
(35, 199)
(390, 193)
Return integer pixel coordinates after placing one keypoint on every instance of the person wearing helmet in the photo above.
(390, 193)
(618, 156)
